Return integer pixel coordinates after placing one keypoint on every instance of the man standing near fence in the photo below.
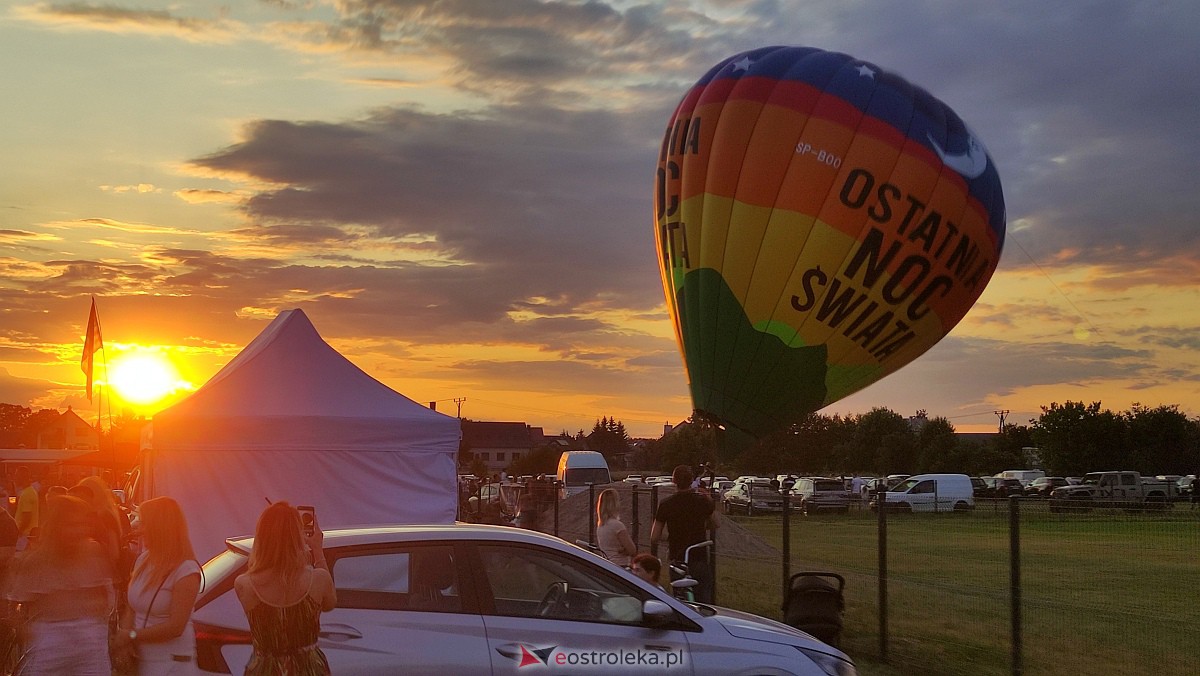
(688, 517)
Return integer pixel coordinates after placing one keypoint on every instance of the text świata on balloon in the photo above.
(842, 302)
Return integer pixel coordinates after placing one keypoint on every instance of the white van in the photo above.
(932, 493)
(1025, 476)
(577, 469)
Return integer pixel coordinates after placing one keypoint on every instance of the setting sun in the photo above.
(144, 377)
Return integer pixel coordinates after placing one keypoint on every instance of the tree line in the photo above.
(1068, 439)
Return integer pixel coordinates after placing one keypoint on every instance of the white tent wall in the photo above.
(291, 419)
(223, 492)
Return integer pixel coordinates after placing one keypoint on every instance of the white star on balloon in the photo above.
(743, 64)
(865, 71)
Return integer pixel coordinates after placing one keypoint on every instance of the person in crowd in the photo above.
(8, 541)
(611, 535)
(65, 587)
(28, 506)
(284, 591)
(162, 592)
(527, 512)
(107, 526)
(56, 489)
(649, 568)
(687, 517)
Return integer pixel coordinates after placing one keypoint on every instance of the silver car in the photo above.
(474, 599)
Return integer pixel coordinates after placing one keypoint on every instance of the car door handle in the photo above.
(339, 632)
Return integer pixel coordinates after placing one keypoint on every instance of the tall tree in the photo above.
(1162, 440)
(938, 449)
(12, 424)
(691, 444)
(1075, 438)
(608, 436)
(883, 441)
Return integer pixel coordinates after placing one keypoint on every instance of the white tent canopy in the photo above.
(291, 419)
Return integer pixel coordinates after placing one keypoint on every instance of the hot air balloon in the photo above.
(820, 223)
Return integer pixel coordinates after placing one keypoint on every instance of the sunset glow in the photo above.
(462, 201)
(144, 378)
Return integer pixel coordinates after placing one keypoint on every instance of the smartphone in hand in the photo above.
(308, 519)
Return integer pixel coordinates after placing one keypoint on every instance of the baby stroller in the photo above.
(814, 605)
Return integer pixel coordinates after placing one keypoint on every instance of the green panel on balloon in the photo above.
(793, 378)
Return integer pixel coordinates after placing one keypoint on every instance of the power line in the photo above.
(1056, 287)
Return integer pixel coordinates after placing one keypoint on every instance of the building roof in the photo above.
(477, 434)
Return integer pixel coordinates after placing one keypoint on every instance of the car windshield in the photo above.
(763, 491)
(1091, 479)
(903, 486)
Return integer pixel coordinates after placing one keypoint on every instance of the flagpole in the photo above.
(100, 406)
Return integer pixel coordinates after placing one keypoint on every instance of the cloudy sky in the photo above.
(458, 192)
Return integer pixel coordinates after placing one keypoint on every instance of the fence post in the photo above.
(592, 513)
(881, 509)
(654, 510)
(787, 541)
(635, 522)
(1014, 563)
(557, 499)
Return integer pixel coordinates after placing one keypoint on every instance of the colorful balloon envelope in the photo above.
(821, 222)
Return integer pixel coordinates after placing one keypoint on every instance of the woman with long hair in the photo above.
(65, 587)
(111, 526)
(162, 592)
(284, 591)
(611, 535)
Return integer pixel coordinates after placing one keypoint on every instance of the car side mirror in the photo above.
(656, 613)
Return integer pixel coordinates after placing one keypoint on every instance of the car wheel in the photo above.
(961, 506)
(904, 507)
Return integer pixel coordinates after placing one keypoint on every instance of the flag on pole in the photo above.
(92, 342)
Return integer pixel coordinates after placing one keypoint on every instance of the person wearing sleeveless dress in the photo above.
(283, 593)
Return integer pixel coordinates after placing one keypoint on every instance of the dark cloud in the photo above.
(23, 391)
(554, 203)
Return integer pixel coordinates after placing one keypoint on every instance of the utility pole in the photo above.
(1002, 413)
(459, 401)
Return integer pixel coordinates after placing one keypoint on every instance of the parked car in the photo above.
(466, 599)
(634, 479)
(750, 497)
(1043, 486)
(721, 487)
(818, 494)
(1023, 475)
(978, 485)
(998, 487)
(1184, 484)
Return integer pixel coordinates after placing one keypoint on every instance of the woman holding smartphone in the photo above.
(284, 592)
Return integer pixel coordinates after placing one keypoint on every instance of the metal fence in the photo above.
(1007, 588)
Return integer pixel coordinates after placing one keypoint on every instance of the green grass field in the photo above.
(1102, 593)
